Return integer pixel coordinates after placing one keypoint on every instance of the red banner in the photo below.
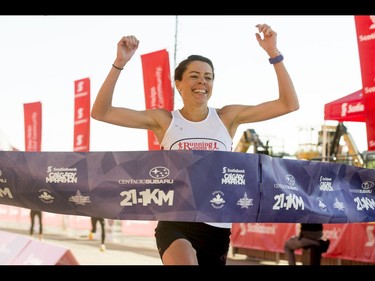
(351, 241)
(348, 108)
(157, 86)
(82, 115)
(365, 27)
(33, 126)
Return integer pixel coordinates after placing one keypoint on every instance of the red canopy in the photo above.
(348, 108)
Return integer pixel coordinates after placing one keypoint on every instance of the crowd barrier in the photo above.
(19, 249)
(349, 243)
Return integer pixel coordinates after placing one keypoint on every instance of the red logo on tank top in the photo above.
(198, 146)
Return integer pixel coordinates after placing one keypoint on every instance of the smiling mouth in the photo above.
(200, 91)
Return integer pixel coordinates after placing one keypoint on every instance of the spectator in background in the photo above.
(33, 214)
(310, 235)
(94, 222)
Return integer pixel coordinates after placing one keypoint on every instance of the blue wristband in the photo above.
(277, 59)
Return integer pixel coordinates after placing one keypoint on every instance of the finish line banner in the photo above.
(195, 185)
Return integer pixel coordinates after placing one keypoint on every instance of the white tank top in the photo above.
(209, 134)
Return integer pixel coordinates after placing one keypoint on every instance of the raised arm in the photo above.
(102, 109)
(287, 101)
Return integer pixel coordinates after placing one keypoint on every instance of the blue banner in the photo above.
(195, 185)
(313, 191)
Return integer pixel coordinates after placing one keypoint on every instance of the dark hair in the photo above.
(181, 68)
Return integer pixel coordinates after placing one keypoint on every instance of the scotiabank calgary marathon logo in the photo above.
(61, 175)
(233, 176)
(325, 183)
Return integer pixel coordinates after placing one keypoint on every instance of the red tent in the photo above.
(348, 108)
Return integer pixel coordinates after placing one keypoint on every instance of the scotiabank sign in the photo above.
(365, 27)
(348, 108)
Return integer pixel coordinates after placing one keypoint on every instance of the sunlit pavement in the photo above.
(139, 254)
(132, 250)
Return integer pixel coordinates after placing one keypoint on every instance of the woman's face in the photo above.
(197, 82)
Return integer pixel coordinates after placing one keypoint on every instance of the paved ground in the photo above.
(133, 250)
(137, 256)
